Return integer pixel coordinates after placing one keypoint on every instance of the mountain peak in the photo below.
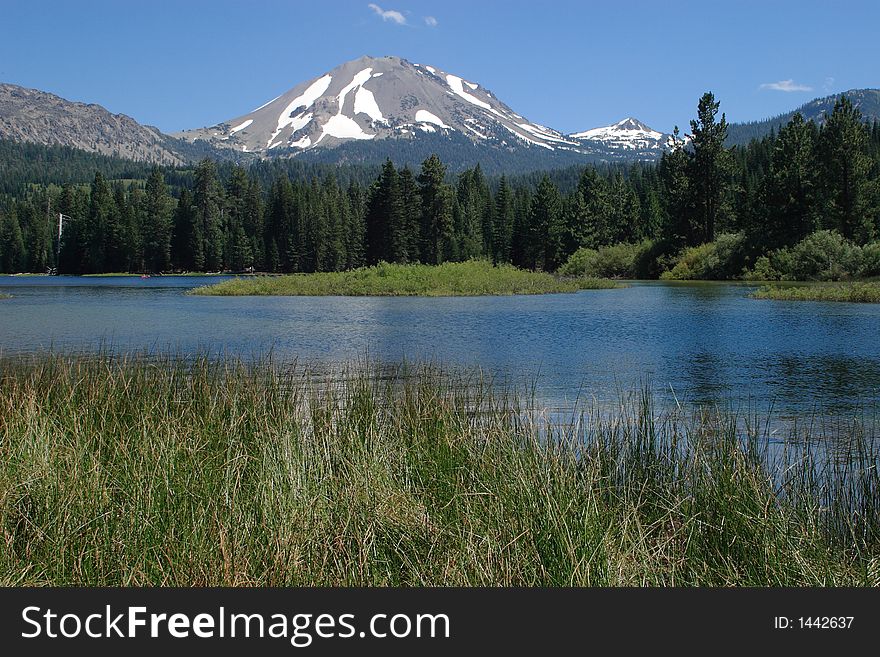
(376, 98)
(629, 123)
(630, 134)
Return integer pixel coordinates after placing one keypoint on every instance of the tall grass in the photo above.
(850, 292)
(472, 278)
(132, 471)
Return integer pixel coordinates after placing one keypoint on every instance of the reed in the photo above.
(850, 292)
(127, 470)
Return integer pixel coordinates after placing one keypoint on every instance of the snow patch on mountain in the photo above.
(424, 116)
(306, 99)
(388, 97)
(342, 127)
(365, 103)
(241, 126)
(454, 83)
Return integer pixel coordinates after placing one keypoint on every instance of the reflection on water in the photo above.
(701, 343)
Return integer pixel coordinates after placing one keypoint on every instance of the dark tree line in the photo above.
(226, 218)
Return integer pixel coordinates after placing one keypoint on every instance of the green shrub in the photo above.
(762, 271)
(821, 256)
(718, 260)
(825, 256)
(618, 261)
(870, 259)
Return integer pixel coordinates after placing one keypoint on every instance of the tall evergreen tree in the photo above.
(787, 194)
(845, 166)
(157, 223)
(437, 222)
(710, 166)
(186, 243)
(503, 218)
(207, 203)
(547, 228)
(12, 251)
(412, 215)
(678, 227)
(94, 228)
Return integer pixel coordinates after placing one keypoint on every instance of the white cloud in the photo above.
(785, 85)
(828, 85)
(388, 14)
(430, 21)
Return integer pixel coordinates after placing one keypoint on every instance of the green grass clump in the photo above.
(137, 471)
(5, 296)
(851, 292)
(473, 278)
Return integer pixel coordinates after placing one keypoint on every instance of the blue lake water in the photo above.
(695, 343)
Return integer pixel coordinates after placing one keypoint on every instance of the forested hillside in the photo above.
(704, 211)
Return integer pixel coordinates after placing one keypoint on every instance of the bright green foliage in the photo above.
(718, 260)
(616, 261)
(472, 278)
(821, 256)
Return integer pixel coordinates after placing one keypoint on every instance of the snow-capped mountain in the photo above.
(627, 135)
(376, 98)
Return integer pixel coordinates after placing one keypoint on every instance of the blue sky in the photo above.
(570, 65)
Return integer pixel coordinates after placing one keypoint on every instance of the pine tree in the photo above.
(547, 228)
(356, 226)
(12, 251)
(787, 193)
(94, 227)
(437, 222)
(845, 166)
(253, 224)
(207, 202)
(470, 215)
(71, 249)
(502, 224)
(386, 234)
(412, 214)
(624, 211)
(157, 223)
(678, 227)
(587, 213)
(237, 252)
(186, 241)
(710, 167)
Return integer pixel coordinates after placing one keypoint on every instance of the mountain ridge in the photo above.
(365, 111)
(374, 98)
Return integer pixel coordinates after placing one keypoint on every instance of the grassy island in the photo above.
(851, 292)
(474, 278)
(143, 471)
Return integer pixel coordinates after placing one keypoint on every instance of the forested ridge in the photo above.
(803, 202)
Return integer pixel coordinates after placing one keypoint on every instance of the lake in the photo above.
(693, 343)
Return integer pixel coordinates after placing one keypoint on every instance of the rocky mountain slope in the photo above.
(38, 117)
